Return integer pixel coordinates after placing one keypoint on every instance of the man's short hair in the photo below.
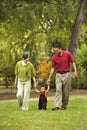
(57, 44)
(25, 55)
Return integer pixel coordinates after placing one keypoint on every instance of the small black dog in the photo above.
(42, 104)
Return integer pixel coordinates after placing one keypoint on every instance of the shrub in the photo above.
(44, 67)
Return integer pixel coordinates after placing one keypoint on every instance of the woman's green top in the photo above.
(24, 72)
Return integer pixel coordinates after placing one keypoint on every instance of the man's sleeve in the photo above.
(71, 57)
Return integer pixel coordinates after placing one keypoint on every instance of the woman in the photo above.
(24, 71)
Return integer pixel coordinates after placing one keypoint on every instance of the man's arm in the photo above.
(48, 87)
(51, 73)
(75, 70)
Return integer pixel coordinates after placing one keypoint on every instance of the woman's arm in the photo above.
(16, 80)
(34, 80)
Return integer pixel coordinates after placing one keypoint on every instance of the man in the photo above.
(24, 71)
(61, 62)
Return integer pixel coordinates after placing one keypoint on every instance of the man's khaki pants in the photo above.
(63, 86)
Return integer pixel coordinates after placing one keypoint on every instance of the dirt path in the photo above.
(51, 93)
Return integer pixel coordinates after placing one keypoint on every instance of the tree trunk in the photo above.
(77, 27)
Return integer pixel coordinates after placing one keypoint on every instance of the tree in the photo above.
(32, 26)
(77, 27)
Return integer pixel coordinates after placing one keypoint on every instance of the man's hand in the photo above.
(75, 75)
(35, 85)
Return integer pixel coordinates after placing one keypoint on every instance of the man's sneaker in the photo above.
(63, 108)
(55, 108)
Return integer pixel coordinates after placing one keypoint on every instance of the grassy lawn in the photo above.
(74, 118)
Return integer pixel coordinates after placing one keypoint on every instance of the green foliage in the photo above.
(32, 26)
(81, 61)
(81, 57)
(43, 71)
(80, 82)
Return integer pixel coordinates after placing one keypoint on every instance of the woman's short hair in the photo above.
(25, 55)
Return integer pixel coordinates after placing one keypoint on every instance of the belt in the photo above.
(63, 72)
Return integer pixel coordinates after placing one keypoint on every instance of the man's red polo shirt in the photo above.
(62, 63)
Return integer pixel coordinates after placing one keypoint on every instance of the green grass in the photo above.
(74, 118)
